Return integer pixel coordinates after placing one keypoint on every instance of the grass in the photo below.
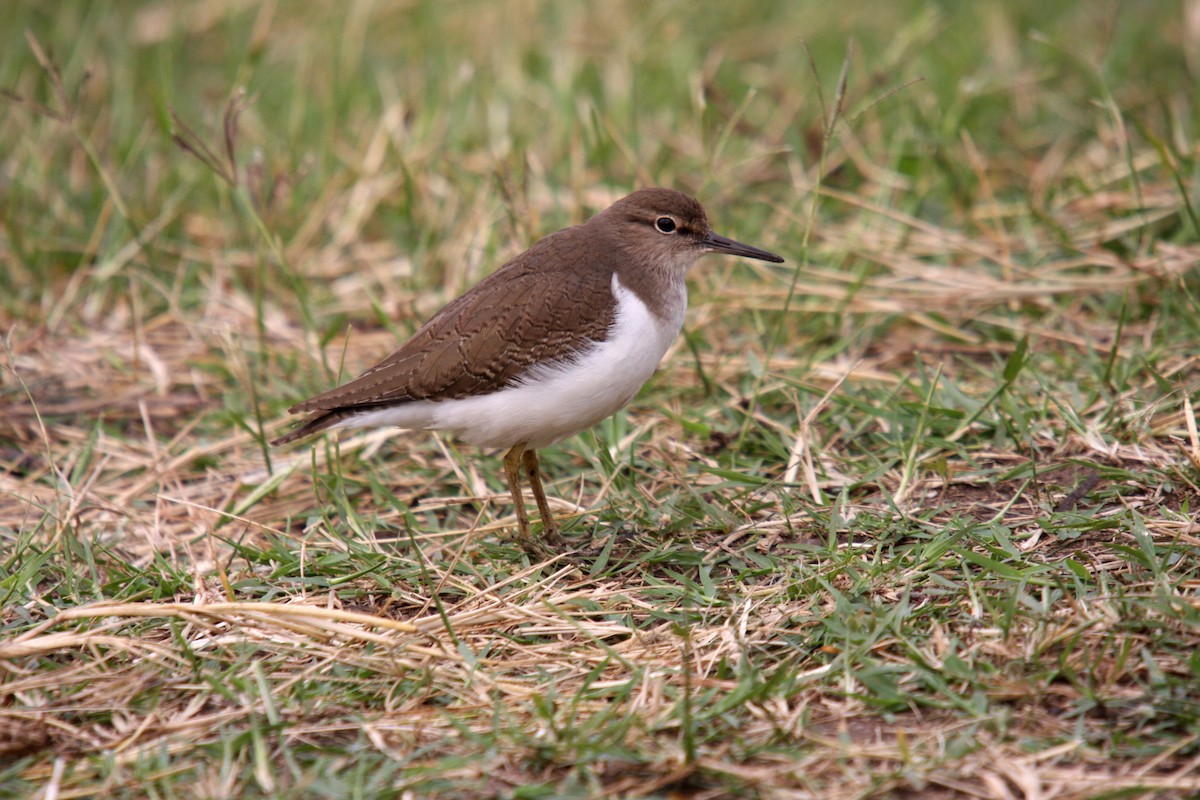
(912, 516)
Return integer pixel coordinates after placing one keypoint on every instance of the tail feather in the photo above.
(313, 423)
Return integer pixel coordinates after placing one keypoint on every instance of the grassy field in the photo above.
(913, 515)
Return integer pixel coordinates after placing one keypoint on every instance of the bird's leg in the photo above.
(549, 526)
(512, 471)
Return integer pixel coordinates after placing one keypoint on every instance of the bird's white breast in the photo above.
(553, 401)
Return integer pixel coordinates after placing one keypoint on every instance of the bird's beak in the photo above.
(716, 243)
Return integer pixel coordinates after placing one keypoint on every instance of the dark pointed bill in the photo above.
(717, 243)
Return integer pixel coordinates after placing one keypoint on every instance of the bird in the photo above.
(554, 341)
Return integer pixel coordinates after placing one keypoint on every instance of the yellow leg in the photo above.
(549, 526)
(512, 471)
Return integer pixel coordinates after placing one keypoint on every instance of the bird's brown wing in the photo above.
(548, 302)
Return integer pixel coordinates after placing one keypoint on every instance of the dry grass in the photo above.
(916, 521)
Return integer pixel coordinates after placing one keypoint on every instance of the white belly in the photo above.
(554, 401)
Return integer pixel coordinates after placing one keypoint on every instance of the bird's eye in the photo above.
(665, 225)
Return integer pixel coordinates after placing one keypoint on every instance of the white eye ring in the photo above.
(665, 225)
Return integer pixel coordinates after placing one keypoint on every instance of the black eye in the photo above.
(665, 225)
